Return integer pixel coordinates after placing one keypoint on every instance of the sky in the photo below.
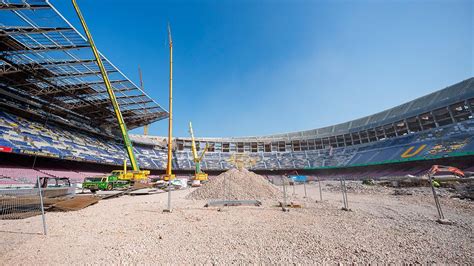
(250, 68)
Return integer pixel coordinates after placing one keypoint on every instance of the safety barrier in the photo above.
(21, 202)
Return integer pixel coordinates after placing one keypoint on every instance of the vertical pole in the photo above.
(435, 195)
(169, 174)
(169, 196)
(42, 206)
(170, 119)
(345, 194)
(305, 194)
(342, 191)
(284, 194)
(294, 183)
(320, 190)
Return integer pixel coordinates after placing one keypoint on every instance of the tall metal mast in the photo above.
(110, 91)
(169, 174)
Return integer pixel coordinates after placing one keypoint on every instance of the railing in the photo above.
(22, 202)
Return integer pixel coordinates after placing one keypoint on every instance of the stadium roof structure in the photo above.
(460, 92)
(43, 56)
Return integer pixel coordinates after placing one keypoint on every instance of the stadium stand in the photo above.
(30, 137)
(20, 174)
(54, 105)
(47, 68)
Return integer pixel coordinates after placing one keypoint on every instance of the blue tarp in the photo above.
(299, 178)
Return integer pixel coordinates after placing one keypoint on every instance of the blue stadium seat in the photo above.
(24, 135)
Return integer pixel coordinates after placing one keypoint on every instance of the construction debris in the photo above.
(233, 203)
(356, 187)
(464, 191)
(236, 184)
(138, 187)
(291, 205)
(145, 191)
(74, 204)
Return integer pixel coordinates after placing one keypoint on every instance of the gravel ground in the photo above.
(381, 227)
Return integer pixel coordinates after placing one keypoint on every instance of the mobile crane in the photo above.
(136, 174)
(199, 175)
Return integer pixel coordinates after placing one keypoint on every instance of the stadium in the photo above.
(57, 121)
(406, 139)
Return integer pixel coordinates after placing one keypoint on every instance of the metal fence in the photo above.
(22, 201)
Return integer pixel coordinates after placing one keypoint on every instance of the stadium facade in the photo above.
(54, 112)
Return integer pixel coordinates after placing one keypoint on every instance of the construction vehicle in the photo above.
(198, 174)
(131, 175)
(116, 179)
(436, 169)
(105, 183)
(136, 174)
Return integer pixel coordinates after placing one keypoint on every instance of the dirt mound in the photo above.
(236, 184)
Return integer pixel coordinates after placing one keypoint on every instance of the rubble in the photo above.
(236, 184)
(355, 187)
(75, 204)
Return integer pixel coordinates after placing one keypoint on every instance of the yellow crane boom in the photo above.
(110, 91)
(198, 175)
(203, 152)
(196, 156)
(193, 142)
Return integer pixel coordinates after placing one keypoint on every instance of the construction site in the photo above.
(78, 187)
(383, 225)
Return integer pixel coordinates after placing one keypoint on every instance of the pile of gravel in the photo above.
(236, 184)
